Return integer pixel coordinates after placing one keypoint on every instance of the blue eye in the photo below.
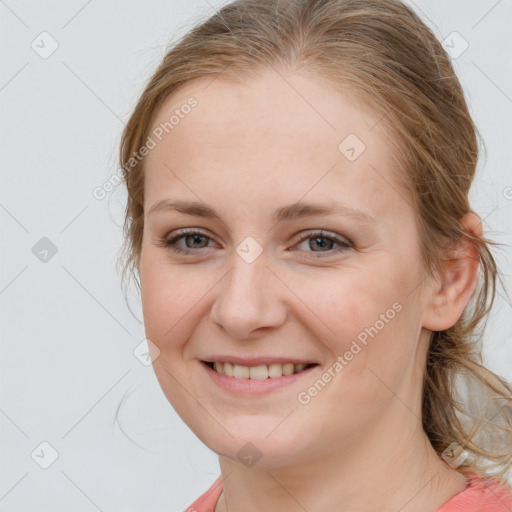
(190, 237)
(319, 239)
(194, 239)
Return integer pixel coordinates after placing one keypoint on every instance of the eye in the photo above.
(192, 239)
(320, 242)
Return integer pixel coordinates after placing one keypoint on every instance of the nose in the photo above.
(250, 300)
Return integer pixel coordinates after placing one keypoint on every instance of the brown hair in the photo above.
(382, 53)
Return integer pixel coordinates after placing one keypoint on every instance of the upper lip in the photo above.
(256, 361)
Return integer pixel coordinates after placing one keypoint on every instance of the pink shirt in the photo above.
(478, 496)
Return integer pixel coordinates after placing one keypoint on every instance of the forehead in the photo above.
(272, 136)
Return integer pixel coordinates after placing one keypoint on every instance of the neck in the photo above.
(386, 468)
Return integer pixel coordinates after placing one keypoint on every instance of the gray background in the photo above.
(67, 336)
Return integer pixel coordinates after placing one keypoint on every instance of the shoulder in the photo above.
(207, 501)
(480, 494)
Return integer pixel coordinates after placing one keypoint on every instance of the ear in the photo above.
(451, 291)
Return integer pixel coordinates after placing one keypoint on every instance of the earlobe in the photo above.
(456, 281)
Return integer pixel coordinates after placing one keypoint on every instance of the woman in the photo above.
(312, 274)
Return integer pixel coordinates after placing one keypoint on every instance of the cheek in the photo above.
(372, 347)
(171, 297)
(360, 313)
(345, 301)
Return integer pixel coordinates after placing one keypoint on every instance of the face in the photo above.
(301, 249)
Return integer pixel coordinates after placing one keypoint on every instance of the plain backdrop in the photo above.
(71, 351)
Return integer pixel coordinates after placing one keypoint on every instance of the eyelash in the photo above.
(171, 243)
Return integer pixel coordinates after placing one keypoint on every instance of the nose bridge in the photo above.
(248, 299)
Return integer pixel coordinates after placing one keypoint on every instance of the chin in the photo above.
(256, 442)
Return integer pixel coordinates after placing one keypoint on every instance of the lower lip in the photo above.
(255, 386)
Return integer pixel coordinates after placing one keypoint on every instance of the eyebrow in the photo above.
(285, 213)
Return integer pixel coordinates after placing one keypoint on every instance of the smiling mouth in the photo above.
(260, 372)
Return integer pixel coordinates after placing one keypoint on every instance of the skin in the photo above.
(247, 149)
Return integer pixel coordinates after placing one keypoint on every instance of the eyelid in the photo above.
(182, 233)
(344, 244)
(327, 234)
(170, 242)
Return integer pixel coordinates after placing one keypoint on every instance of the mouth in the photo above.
(258, 372)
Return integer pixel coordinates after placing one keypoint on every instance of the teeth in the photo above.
(288, 368)
(260, 372)
(276, 370)
(241, 372)
(228, 368)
